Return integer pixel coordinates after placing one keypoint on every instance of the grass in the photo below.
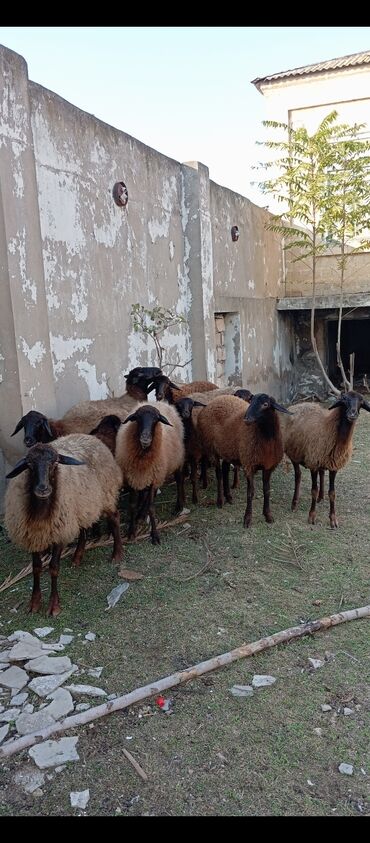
(217, 754)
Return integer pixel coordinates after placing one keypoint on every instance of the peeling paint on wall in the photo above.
(87, 371)
(35, 353)
(64, 348)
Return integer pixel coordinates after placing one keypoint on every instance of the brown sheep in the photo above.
(165, 390)
(321, 439)
(49, 504)
(86, 415)
(249, 438)
(149, 448)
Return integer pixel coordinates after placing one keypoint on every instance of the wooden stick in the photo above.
(154, 688)
(134, 763)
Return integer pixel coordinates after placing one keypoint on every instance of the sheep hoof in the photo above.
(247, 523)
(34, 605)
(294, 506)
(312, 518)
(54, 610)
(220, 503)
(155, 539)
(333, 522)
(269, 518)
(229, 498)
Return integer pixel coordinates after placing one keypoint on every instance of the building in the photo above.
(304, 96)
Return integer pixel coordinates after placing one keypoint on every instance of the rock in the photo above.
(86, 689)
(19, 699)
(14, 677)
(26, 650)
(82, 706)
(347, 711)
(112, 697)
(95, 672)
(326, 707)
(79, 798)
(11, 714)
(242, 690)
(90, 636)
(316, 663)
(43, 631)
(60, 768)
(52, 648)
(47, 665)
(4, 657)
(53, 753)
(28, 709)
(261, 681)
(347, 769)
(62, 703)
(36, 722)
(20, 635)
(44, 685)
(29, 780)
(4, 665)
(67, 629)
(318, 731)
(4, 731)
(65, 639)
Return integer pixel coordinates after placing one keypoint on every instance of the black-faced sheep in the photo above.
(149, 448)
(56, 494)
(167, 391)
(249, 438)
(321, 439)
(86, 415)
(193, 451)
(107, 431)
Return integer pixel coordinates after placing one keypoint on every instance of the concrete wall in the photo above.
(72, 262)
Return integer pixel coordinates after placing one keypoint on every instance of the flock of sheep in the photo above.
(57, 491)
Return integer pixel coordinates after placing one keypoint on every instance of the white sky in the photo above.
(183, 90)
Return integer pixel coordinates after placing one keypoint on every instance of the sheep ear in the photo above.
(19, 426)
(365, 405)
(20, 466)
(337, 403)
(48, 428)
(279, 407)
(69, 460)
(174, 386)
(199, 404)
(133, 417)
(164, 420)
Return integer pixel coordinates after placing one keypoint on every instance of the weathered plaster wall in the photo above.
(248, 278)
(72, 262)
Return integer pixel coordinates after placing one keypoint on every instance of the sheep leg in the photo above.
(235, 483)
(322, 485)
(220, 497)
(314, 495)
(250, 496)
(54, 605)
(203, 472)
(226, 480)
(154, 532)
(193, 478)
(113, 524)
(332, 515)
(297, 485)
(80, 548)
(180, 502)
(35, 602)
(266, 475)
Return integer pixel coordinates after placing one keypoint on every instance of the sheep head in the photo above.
(259, 405)
(36, 428)
(351, 404)
(163, 386)
(146, 418)
(185, 406)
(41, 461)
(244, 394)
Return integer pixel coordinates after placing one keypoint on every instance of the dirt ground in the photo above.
(209, 587)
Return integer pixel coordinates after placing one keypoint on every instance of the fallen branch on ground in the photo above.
(154, 688)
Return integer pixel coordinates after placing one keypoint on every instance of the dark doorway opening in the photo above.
(355, 338)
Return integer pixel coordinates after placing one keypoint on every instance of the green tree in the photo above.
(322, 181)
(153, 323)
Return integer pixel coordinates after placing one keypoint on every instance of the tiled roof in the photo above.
(353, 60)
